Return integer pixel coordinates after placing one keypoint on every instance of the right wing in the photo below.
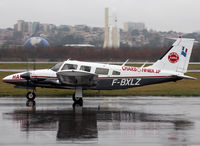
(77, 78)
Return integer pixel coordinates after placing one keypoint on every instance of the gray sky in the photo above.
(164, 15)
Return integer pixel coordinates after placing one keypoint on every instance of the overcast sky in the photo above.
(164, 15)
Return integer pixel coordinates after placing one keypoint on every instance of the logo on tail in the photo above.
(184, 51)
(173, 57)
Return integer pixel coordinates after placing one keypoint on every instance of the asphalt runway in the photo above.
(139, 121)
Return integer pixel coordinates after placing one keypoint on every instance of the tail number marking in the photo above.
(126, 82)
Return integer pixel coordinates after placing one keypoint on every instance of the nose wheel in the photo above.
(30, 95)
(31, 98)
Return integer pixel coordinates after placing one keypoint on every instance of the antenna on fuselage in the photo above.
(143, 64)
(125, 62)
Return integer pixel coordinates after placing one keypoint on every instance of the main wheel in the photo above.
(30, 95)
(78, 100)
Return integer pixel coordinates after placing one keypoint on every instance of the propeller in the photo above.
(27, 75)
(34, 65)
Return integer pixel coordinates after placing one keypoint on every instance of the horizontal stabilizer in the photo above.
(186, 77)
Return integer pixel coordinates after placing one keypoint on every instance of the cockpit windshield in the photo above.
(56, 67)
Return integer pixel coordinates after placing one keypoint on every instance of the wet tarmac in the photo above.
(140, 121)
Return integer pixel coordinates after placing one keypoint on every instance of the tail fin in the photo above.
(177, 57)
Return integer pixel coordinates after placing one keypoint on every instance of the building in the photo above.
(130, 26)
(80, 45)
(20, 25)
(45, 27)
(35, 27)
(52, 27)
(30, 27)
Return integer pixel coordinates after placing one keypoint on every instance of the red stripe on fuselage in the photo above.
(109, 77)
(134, 77)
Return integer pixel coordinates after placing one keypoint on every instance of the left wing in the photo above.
(77, 78)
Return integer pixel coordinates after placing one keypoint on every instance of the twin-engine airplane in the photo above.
(80, 75)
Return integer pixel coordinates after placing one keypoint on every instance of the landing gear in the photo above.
(31, 96)
(77, 97)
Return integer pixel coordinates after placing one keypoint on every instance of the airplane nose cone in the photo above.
(5, 79)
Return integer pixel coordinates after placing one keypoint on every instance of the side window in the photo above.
(115, 72)
(85, 68)
(102, 71)
(69, 66)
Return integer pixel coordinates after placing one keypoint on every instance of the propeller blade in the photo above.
(34, 65)
(26, 76)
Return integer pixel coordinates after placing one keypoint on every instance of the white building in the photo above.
(130, 26)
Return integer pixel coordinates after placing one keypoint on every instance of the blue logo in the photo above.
(184, 51)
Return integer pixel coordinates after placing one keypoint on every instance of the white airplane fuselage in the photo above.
(113, 77)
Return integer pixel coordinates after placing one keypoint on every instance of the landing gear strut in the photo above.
(30, 98)
(78, 96)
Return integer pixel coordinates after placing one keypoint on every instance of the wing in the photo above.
(77, 78)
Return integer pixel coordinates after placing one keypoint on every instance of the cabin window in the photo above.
(69, 66)
(102, 71)
(115, 72)
(85, 68)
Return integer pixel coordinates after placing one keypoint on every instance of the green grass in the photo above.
(179, 88)
(194, 66)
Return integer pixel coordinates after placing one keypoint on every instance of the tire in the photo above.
(77, 100)
(30, 95)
